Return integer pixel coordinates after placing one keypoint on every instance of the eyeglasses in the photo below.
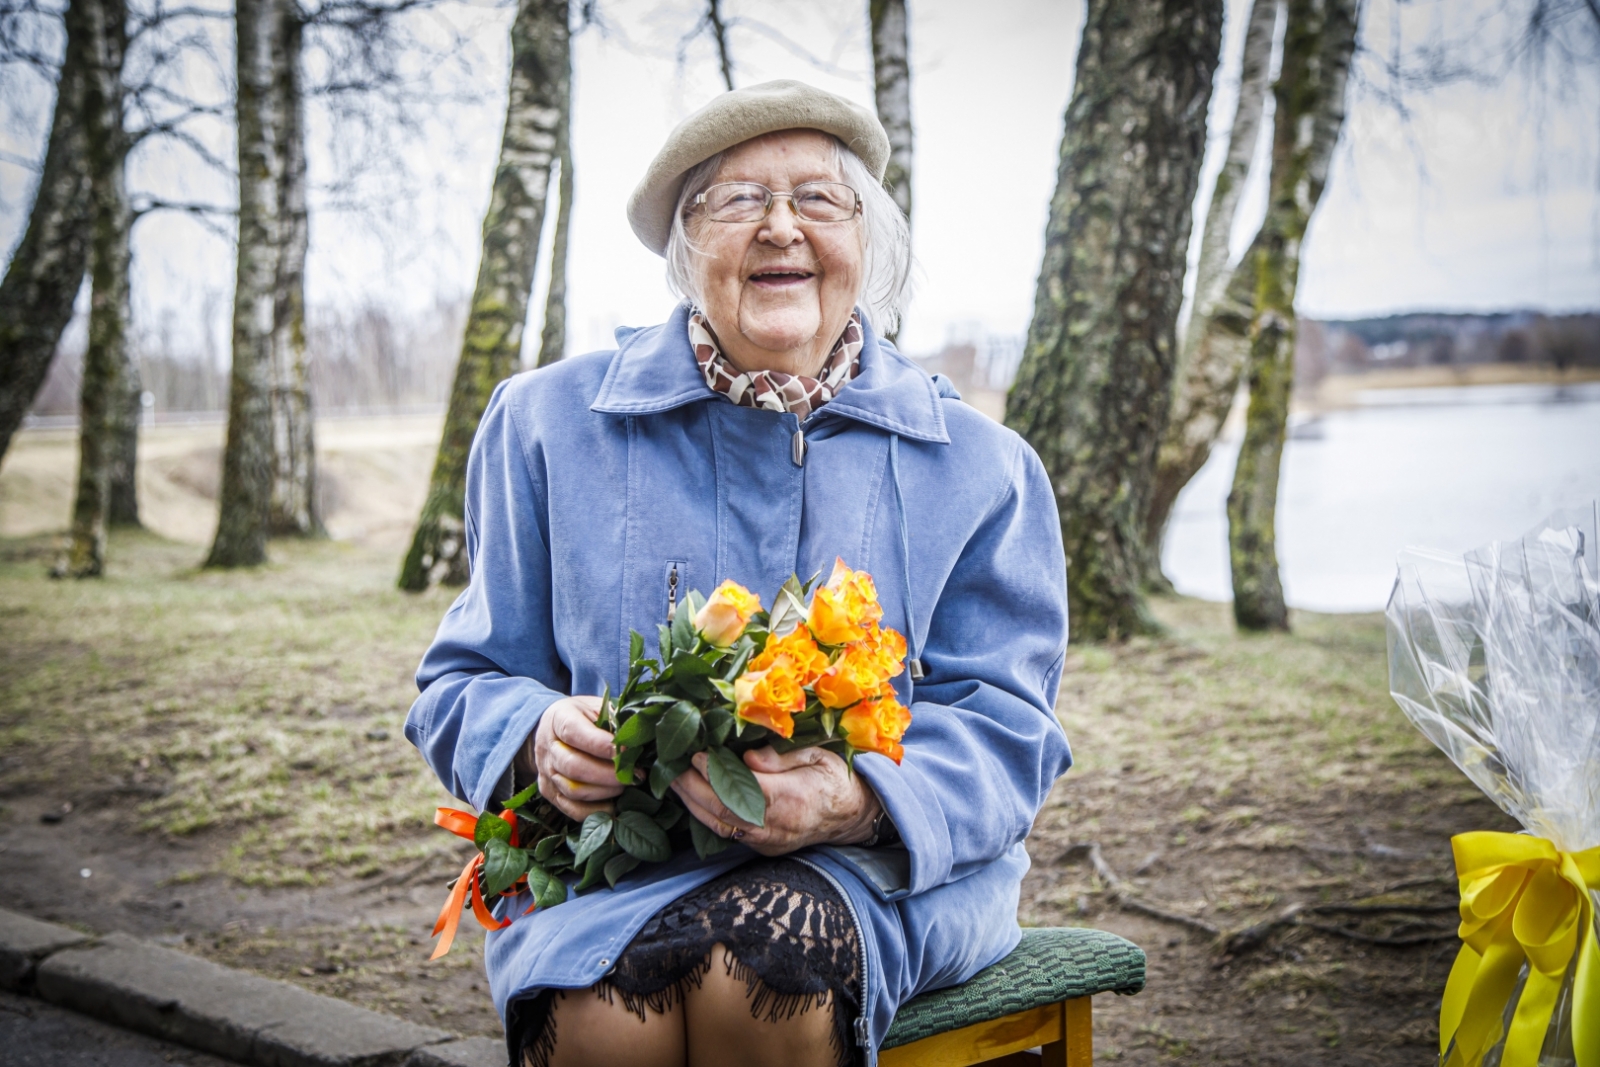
(750, 202)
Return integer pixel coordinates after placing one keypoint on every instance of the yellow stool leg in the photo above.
(1076, 1047)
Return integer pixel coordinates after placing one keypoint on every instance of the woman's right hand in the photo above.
(573, 758)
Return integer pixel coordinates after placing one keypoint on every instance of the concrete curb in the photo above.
(204, 1005)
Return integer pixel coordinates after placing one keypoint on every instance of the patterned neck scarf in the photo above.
(775, 390)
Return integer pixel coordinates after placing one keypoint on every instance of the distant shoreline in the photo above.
(1338, 391)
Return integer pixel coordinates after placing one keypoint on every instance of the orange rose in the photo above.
(801, 652)
(877, 725)
(770, 697)
(725, 615)
(842, 610)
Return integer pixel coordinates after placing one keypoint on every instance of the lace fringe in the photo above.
(766, 1005)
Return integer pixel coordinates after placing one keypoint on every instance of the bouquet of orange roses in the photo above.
(729, 677)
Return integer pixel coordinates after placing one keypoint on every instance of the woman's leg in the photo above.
(722, 1028)
(594, 1030)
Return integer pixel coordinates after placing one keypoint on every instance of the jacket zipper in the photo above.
(862, 1027)
(672, 592)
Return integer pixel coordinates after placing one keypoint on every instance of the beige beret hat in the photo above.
(735, 117)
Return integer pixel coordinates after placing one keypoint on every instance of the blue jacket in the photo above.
(591, 479)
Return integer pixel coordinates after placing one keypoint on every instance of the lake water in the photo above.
(1449, 469)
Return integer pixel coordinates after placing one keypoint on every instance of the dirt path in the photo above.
(230, 747)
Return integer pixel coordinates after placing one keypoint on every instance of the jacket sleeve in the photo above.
(984, 746)
(493, 666)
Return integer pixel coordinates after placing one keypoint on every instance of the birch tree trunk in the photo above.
(46, 271)
(540, 61)
(247, 459)
(104, 384)
(1319, 39)
(553, 338)
(891, 84)
(127, 413)
(1094, 388)
(293, 509)
(1213, 352)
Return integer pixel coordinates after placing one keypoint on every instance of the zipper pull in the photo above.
(863, 1037)
(672, 593)
(797, 446)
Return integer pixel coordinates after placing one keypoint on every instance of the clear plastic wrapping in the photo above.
(1496, 658)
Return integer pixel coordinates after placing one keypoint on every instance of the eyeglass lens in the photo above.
(749, 202)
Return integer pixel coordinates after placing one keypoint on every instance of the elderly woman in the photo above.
(763, 430)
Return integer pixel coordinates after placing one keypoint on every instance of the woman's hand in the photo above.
(812, 799)
(573, 758)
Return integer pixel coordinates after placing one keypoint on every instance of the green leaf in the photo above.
(689, 665)
(596, 866)
(638, 835)
(547, 848)
(736, 786)
(547, 889)
(596, 832)
(625, 774)
(683, 635)
(664, 772)
(638, 800)
(490, 827)
(695, 687)
(719, 723)
(676, 733)
(635, 647)
(522, 798)
(788, 607)
(638, 730)
(706, 843)
(669, 816)
(664, 639)
(502, 866)
(617, 866)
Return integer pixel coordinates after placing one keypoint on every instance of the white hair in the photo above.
(885, 240)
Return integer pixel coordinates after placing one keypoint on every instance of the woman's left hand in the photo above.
(812, 799)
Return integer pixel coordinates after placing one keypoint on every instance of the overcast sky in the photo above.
(1483, 199)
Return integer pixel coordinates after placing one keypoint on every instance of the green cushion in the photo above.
(1049, 965)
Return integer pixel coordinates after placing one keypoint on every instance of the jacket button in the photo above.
(605, 963)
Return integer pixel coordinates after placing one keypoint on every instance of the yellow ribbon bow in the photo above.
(1521, 898)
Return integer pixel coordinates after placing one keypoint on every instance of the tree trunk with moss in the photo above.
(1319, 39)
(891, 84)
(553, 338)
(46, 270)
(293, 510)
(1211, 358)
(104, 386)
(247, 458)
(493, 343)
(1094, 388)
(128, 412)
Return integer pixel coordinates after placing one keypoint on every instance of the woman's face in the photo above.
(777, 293)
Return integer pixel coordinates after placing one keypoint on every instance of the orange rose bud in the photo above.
(770, 697)
(877, 725)
(726, 614)
(798, 649)
(842, 610)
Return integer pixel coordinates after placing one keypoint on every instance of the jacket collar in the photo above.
(654, 371)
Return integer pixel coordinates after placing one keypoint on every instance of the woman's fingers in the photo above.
(701, 800)
(769, 761)
(575, 725)
(554, 789)
(589, 778)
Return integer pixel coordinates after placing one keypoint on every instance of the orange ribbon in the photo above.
(464, 824)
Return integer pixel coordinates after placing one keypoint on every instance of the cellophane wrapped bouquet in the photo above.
(1496, 658)
(729, 677)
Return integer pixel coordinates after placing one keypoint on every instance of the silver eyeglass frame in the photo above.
(772, 197)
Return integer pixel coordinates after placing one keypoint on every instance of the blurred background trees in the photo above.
(1165, 293)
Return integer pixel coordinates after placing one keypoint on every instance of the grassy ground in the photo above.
(229, 746)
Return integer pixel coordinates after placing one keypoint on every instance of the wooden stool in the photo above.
(1037, 997)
